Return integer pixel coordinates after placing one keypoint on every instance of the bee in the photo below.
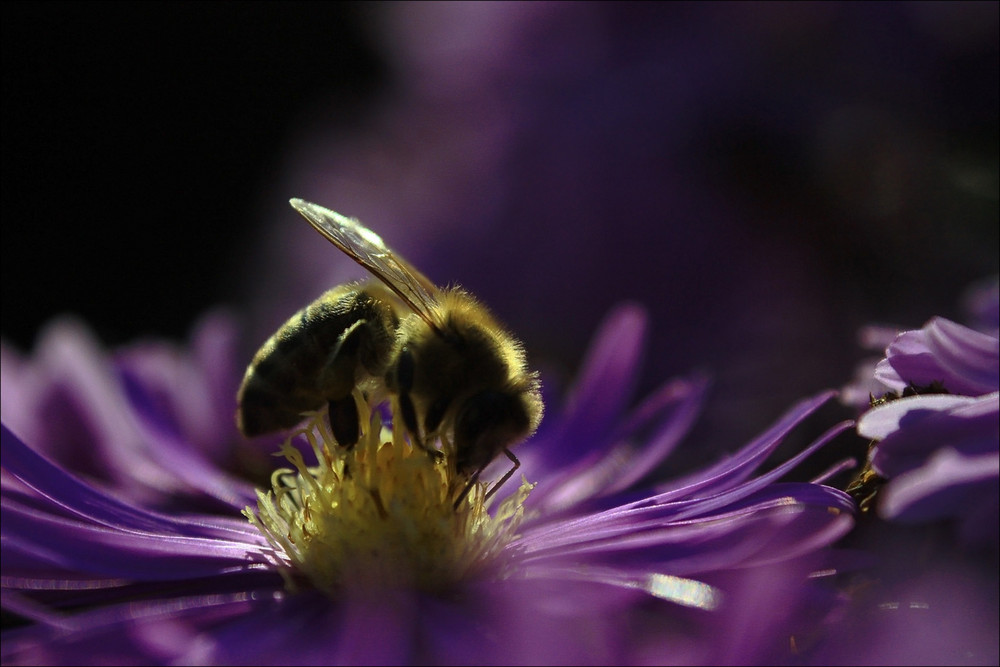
(454, 373)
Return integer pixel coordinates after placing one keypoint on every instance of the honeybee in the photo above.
(453, 371)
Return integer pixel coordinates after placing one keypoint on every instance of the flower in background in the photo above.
(936, 433)
(73, 401)
(929, 408)
(940, 449)
(577, 564)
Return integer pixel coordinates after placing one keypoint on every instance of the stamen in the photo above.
(381, 514)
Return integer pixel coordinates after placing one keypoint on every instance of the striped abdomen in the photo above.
(317, 357)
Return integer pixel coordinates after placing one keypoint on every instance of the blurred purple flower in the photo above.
(929, 408)
(71, 400)
(981, 303)
(586, 568)
(940, 451)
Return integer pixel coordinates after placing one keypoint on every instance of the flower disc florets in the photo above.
(380, 514)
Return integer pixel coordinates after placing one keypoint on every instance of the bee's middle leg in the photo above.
(338, 379)
(404, 383)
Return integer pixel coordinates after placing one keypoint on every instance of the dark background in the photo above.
(136, 141)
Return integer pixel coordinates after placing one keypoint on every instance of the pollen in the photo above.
(381, 514)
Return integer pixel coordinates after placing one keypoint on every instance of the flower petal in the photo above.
(670, 411)
(949, 484)
(82, 500)
(910, 429)
(159, 631)
(736, 468)
(964, 360)
(603, 388)
(174, 453)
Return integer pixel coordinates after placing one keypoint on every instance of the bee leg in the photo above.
(344, 421)
(503, 480)
(338, 379)
(475, 478)
(410, 421)
(404, 382)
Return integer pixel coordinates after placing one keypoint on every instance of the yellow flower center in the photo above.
(381, 514)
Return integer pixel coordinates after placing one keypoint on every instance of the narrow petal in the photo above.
(159, 631)
(71, 374)
(83, 500)
(109, 552)
(670, 412)
(738, 467)
(178, 456)
(684, 400)
(603, 387)
(195, 387)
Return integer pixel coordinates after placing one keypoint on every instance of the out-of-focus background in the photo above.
(139, 143)
(764, 178)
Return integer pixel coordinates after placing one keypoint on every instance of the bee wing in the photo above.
(369, 250)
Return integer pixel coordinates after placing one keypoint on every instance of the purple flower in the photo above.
(931, 419)
(75, 404)
(361, 557)
(939, 448)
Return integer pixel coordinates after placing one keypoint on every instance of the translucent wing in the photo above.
(369, 250)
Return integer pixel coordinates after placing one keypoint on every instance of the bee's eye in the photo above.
(486, 423)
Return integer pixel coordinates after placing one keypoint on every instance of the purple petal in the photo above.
(603, 388)
(966, 354)
(84, 501)
(16, 603)
(176, 455)
(672, 410)
(526, 621)
(677, 524)
(110, 552)
(886, 419)
(776, 526)
(161, 631)
(215, 347)
(949, 484)
(684, 399)
(911, 428)
(70, 405)
(393, 612)
(729, 494)
(311, 629)
(736, 468)
(196, 389)
(964, 360)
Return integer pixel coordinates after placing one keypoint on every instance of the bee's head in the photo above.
(489, 421)
(466, 377)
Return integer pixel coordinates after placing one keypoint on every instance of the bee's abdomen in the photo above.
(309, 361)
